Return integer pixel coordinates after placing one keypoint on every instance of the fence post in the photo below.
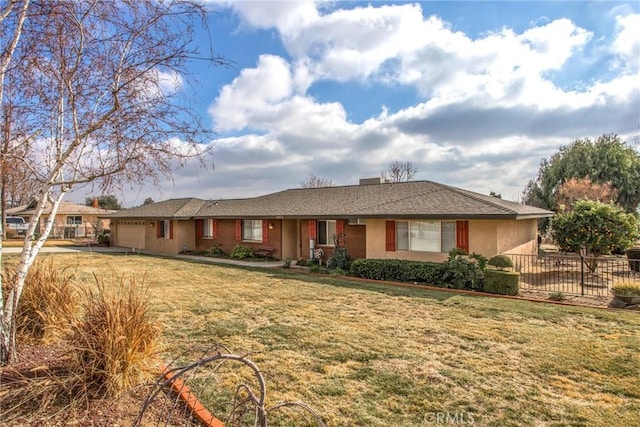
(582, 253)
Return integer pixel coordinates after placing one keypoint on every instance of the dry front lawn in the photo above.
(372, 355)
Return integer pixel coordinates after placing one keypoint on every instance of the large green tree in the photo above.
(597, 227)
(607, 160)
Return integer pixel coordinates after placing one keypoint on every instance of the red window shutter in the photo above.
(199, 228)
(265, 231)
(462, 235)
(214, 227)
(390, 234)
(340, 226)
(313, 229)
(170, 229)
(238, 230)
(159, 225)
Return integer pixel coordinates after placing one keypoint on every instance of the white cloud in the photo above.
(627, 41)
(170, 82)
(252, 91)
(285, 15)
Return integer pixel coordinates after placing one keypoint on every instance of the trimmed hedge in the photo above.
(501, 282)
(501, 262)
(458, 272)
(398, 270)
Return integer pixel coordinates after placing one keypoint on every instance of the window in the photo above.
(164, 229)
(74, 219)
(326, 231)
(357, 221)
(425, 236)
(252, 230)
(207, 229)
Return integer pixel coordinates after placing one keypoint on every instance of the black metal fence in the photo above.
(573, 274)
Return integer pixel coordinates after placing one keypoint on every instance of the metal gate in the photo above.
(574, 274)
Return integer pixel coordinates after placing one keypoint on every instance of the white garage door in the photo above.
(130, 234)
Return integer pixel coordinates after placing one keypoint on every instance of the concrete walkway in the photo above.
(103, 249)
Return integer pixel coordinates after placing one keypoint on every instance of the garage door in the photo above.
(130, 234)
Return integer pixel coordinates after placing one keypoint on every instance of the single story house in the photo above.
(71, 221)
(417, 220)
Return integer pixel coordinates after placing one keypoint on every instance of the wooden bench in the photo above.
(265, 251)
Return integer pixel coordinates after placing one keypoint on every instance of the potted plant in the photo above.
(627, 292)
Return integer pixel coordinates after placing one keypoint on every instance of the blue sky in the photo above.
(474, 94)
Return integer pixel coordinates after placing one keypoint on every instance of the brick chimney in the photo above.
(95, 203)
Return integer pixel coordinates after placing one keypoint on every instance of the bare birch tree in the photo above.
(401, 171)
(95, 75)
(313, 181)
(12, 18)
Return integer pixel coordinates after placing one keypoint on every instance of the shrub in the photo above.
(501, 282)
(241, 251)
(315, 268)
(481, 260)
(462, 273)
(216, 251)
(458, 273)
(48, 302)
(501, 262)
(398, 270)
(116, 344)
(339, 259)
(286, 263)
(104, 236)
(557, 296)
(626, 289)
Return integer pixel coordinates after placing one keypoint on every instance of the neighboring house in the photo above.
(419, 220)
(71, 221)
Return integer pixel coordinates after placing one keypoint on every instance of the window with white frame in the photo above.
(425, 236)
(164, 229)
(74, 219)
(252, 230)
(207, 229)
(326, 231)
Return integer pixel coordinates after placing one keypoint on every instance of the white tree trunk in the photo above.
(30, 250)
(6, 55)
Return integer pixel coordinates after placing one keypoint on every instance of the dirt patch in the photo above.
(582, 300)
(32, 384)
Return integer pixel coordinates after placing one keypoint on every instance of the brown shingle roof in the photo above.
(173, 208)
(422, 199)
(415, 199)
(65, 208)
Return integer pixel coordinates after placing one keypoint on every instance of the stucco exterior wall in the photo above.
(290, 237)
(183, 235)
(376, 243)
(486, 237)
(518, 237)
(483, 237)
